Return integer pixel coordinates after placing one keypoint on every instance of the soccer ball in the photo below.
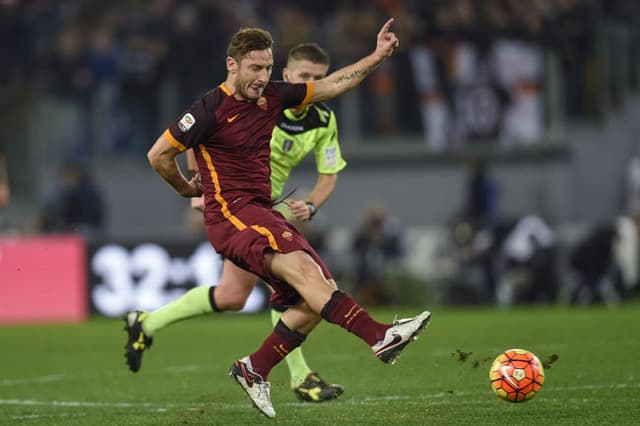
(516, 375)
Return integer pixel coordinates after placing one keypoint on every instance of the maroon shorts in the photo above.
(253, 231)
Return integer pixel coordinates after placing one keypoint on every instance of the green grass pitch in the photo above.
(75, 374)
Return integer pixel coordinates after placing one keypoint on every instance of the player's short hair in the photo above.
(309, 51)
(247, 40)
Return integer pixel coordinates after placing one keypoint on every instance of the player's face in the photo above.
(252, 74)
(304, 70)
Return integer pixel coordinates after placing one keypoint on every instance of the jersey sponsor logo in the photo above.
(331, 156)
(186, 122)
(292, 127)
(262, 103)
(286, 145)
(231, 119)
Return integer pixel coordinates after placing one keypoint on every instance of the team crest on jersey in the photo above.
(287, 235)
(286, 145)
(262, 103)
(186, 122)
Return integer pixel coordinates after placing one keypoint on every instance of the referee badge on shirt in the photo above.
(186, 122)
(286, 145)
(331, 156)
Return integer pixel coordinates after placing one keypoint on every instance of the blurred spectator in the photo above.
(194, 30)
(374, 100)
(293, 26)
(482, 196)
(377, 244)
(513, 262)
(101, 60)
(69, 78)
(4, 180)
(593, 263)
(75, 204)
(626, 250)
(13, 44)
(518, 62)
(526, 262)
(473, 252)
(474, 229)
(478, 75)
(144, 52)
(70, 83)
(574, 28)
(632, 189)
(606, 262)
(434, 111)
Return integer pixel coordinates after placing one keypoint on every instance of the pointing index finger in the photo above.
(386, 26)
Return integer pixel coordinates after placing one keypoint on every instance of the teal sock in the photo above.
(193, 303)
(298, 368)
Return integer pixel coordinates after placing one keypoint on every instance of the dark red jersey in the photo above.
(230, 139)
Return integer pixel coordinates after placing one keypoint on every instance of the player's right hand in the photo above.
(387, 40)
(195, 187)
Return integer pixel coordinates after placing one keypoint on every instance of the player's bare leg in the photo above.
(234, 287)
(305, 275)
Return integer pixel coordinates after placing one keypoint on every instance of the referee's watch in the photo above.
(312, 209)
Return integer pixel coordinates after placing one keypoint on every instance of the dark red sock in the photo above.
(344, 311)
(273, 350)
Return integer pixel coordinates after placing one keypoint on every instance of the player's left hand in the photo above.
(299, 209)
(197, 203)
(387, 40)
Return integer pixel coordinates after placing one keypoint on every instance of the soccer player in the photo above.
(298, 132)
(230, 128)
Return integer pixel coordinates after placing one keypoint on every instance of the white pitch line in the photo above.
(34, 402)
(31, 380)
(369, 400)
(44, 416)
(62, 376)
(595, 387)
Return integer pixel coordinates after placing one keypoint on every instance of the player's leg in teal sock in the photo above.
(298, 368)
(194, 302)
(230, 294)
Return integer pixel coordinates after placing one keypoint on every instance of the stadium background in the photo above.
(546, 92)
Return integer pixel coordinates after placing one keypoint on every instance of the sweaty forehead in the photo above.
(262, 57)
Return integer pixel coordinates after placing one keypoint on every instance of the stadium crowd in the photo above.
(478, 66)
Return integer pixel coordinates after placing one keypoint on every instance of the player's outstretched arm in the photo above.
(347, 78)
(162, 157)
